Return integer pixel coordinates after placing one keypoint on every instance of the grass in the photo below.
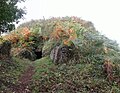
(10, 71)
(71, 78)
(63, 78)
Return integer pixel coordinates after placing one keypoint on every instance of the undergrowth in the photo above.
(10, 71)
(71, 78)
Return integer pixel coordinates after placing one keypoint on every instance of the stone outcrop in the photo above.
(61, 54)
(25, 53)
(5, 48)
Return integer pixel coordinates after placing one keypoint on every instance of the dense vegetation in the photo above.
(92, 67)
(9, 14)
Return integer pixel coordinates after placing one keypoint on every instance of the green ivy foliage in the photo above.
(10, 14)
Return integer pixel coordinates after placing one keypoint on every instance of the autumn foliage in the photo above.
(14, 37)
(108, 68)
(65, 35)
(25, 33)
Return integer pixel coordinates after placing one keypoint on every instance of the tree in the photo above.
(10, 14)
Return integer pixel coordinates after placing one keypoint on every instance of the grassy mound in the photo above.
(97, 66)
(93, 68)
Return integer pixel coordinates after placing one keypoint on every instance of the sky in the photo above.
(104, 14)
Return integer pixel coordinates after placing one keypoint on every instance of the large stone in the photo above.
(5, 48)
(28, 54)
(61, 54)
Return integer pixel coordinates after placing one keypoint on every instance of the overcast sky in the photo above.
(105, 14)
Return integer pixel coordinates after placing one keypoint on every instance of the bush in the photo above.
(5, 48)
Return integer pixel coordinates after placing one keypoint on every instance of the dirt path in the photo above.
(24, 81)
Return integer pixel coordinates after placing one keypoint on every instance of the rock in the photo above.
(25, 53)
(5, 48)
(61, 54)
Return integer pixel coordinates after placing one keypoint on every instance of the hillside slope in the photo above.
(76, 58)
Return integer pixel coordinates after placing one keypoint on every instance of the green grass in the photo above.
(42, 66)
(71, 78)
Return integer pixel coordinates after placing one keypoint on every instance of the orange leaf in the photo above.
(108, 68)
